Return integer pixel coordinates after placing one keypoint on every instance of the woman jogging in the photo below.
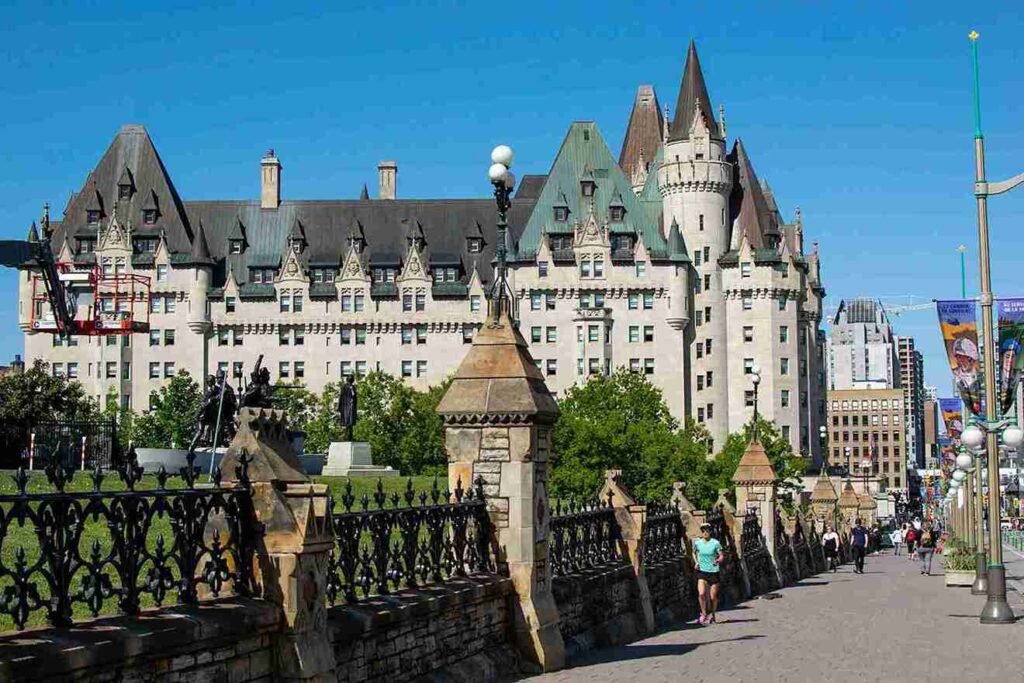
(830, 543)
(709, 557)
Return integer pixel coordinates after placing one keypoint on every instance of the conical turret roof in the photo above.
(643, 133)
(692, 93)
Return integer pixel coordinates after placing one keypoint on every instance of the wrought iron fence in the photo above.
(756, 555)
(403, 541)
(663, 533)
(583, 536)
(75, 444)
(715, 518)
(65, 553)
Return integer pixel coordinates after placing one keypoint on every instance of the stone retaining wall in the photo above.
(224, 641)
(673, 588)
(597, 608)
(459, 630)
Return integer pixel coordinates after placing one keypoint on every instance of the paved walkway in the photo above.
(889, 624)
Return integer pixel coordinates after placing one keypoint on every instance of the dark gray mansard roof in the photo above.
(199, 232)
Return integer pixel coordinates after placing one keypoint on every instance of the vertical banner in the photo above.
(960, 334)
(952, 417)
(1011, 358)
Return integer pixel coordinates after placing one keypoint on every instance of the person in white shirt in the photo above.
(830, 543)
(897, 540)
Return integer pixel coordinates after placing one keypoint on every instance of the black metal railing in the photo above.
(68, 554)
(758, 559)
(583, 536)
(664, 535)
(385, 543)
(715, 517)
(65, 440)
(752, 537)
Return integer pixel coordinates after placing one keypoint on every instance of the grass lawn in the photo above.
(368, 486)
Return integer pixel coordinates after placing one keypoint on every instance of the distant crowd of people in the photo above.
(920, 538)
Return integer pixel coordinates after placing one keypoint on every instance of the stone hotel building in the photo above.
(673, 260)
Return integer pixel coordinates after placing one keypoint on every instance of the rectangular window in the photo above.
(748, 366)
(696, 258)
(237, 368)
(784, 398)
(700, 350)
(748, 333)
(784, 334)
(358, 303)
(700, 414)
(648, 333)
(552, 367)
(783, 366)
(707, 381)
(748, 398)
(360, 336)
(346, 303)
(346, 336)
(285, 303)
(229, 304)
(641, 269)
(748, 303)
(648, 366)
(745, 269)
(297, 302)
(579, 366)
(535, 300)
(782, 304)
(284, 339)
(707, 346)
(585, 268)
(421, 334)
(634, 334)
(407, 303)
(170, 304)
(594, 366)
(474, 303)
(549, 301)
(111, 369)
(154, 304)
(785, 432)
(535, 335)
(707, 283)
(161, 273)
(421, 368)
(593, 333)
(700, 382)
(467, 335)
(300, 369)
(700, 222)
(300, 337)
(634, 365)
(707, 314)
(154, 370)
(154, 337)
(711, 411)
(407, 335)
(551, 335)
(222, 336)
(698, 318)
(648, 301)
(283, 369)
(421, 302)
(168, 370)
(72, 370)
(169, 338)
(542, 268)
(707, 254)
(633, 301)
(598, 268)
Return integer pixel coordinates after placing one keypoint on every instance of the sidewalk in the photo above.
(889, 624)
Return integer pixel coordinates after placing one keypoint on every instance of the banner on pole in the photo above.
(952, 417)
(960, 334)
(1011, 357)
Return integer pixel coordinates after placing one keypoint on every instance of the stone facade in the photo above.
(673, 261)
(868, 425)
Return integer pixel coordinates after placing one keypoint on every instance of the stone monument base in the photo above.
(353, 459)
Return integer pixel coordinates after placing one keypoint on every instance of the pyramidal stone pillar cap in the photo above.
(754, 467)
(849, 498)
(263, 437)
(824, 491)
(498, 382)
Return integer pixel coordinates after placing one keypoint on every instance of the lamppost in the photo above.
(847, 451)
(823, 437)
(755, 377)
(503, 181)
(968, 474)
(996, 609)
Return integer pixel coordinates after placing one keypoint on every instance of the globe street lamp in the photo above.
(503, 181)
(996, 609)
(755, 377)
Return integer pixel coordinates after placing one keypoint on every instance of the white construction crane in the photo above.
(894, 306)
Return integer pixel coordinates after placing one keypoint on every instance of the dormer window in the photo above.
(448, 274)
(384, 274)
(86, 245)
(92, 216)
(235, 246)
(296, 246)
(124, 191)
(144, 245)
(616, 213)
(561, 242)
(474, 245)
(587, 188)
(149, 216)
(561, 214)
(622, 243)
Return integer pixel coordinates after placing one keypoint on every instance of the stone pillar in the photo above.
(849, 504)
(292, 552)
(631, 518)
(823, 500)
(755, 482)
(498, 416)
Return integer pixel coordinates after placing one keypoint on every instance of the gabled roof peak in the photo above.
(693, 93)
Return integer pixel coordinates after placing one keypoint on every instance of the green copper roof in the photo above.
(584, 154)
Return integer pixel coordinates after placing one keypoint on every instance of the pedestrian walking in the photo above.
(830, 543)
(897, 540)
(910, 536)
(859, 543)
(709, 558)
(926, 549)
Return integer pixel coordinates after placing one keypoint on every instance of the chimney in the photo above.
(270, 182)
(387, 180)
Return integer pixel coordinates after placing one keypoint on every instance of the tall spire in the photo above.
(693, 93)
(643, 133)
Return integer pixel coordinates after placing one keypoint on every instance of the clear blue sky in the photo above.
(859, 113)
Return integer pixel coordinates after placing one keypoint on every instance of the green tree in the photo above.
(171, 422)
(35, 396)
(422, 445)
(385, 410)
(621, 421)
(323, 428)
(125, 417)
(788, 466)
(298, 403)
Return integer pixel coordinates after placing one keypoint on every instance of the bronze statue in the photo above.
(219, 406)
(348, 412)
(257, 394)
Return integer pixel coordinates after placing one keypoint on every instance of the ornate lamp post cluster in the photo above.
(986, 432)
(504, 181)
